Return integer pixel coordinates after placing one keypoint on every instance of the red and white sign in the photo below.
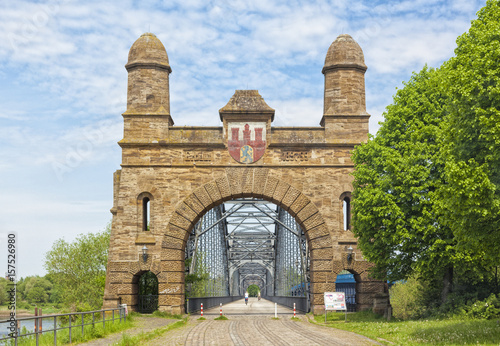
(246, 141)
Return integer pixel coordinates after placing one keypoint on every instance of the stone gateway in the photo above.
(171, 175)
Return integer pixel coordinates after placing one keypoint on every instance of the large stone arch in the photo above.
(247, 182)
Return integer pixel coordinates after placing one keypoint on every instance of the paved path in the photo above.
(254, 307)
(253, 325)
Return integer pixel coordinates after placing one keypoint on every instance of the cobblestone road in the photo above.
(252, 324)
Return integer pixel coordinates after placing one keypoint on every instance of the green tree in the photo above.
(426, 197)
(253, 290)
(37, 295)
(471, 141)
(397, 175)
(37, 289)
(57, 290)
(3, 291)
(79, 268)
(20, 285)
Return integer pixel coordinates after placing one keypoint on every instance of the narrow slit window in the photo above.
(347, 213)
(145, 213)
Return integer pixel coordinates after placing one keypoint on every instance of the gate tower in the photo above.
(171, 175)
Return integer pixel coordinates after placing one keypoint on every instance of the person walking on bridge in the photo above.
(246, 298)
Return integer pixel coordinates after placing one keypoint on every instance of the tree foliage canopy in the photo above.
(80, 268)
(427, 187)
(471, 137)
(396, 179)
(253, 290)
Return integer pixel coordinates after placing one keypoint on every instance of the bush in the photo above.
(407, 299)
(486, 309)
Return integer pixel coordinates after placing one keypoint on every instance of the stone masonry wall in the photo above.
(185, 179)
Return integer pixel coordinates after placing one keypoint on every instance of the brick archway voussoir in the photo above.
(271, 183)
(280, 192)
(240, 182)
(259, 181)
(202, 195)
(290, 197)
(307, 212)
(213, 192)
(185, 211)
(192, 202)
(317, 232)
(224, 188)
(300, 203)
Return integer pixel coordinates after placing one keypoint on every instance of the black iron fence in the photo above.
(57, 322)
(301, 303)
(194, 304)
(148, 303)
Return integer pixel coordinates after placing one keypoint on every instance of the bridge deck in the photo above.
(254, 307)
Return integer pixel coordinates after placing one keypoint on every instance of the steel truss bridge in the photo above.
(247, 242)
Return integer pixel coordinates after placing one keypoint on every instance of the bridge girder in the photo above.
(250, 230)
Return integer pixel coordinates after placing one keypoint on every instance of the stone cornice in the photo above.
(343, 116)
(149, 65)
(353, 66)
(162, 143)
(204, 165)
(195, 128)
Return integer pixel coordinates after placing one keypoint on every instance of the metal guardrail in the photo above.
(193, 304)
(300, 302)
(79, 317)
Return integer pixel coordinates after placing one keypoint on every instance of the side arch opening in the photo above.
(147, 291)
(346, 282)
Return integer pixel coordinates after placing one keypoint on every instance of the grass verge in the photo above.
(128, 340)
(90, 332)
(418, 332)
(162, 314)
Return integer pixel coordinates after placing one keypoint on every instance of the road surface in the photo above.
(253, 324)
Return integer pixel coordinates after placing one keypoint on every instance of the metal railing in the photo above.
(193, 304)
(301, 302)
(74, 320)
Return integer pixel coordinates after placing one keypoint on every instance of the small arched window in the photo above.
(145, 213)
(345, 199)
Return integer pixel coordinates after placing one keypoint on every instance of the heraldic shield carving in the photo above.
(246, 141)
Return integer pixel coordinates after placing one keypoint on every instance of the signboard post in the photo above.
(335, 301)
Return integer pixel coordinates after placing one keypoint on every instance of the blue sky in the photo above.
(63, 85)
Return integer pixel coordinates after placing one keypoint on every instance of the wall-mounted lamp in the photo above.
(349, 254)
(144, 253)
